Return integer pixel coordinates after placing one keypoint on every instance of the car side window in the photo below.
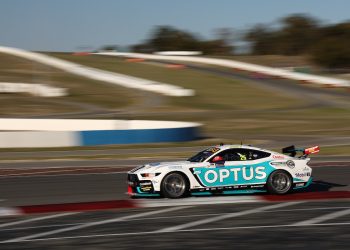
(229, 155)
(252, 154)
(242, 154)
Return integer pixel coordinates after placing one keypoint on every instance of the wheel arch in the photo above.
(281, 169)
(269, 188)
(181, 173)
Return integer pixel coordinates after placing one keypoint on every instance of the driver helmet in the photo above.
(217, 158)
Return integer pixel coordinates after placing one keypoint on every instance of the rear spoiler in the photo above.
(292, 151)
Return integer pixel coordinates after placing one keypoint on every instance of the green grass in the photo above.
(81, 90)
(212, 92)
(230, 110)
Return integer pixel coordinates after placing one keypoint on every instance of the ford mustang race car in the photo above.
(224, 169)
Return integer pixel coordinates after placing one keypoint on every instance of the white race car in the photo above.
(224, 169)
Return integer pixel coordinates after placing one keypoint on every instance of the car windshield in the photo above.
(203, 155)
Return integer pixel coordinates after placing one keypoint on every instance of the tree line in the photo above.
(326, 45)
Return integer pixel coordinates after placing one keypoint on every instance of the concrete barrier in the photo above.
(263, 70)
(35, 89)
(100, 75)
(179, 53)
(20, 133)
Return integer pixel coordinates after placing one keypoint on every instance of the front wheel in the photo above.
(174, 185)
(279, 182)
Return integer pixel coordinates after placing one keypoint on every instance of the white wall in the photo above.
(240, 65)
(19, 124)
(101, 75)
(22, 139)
(42, 90)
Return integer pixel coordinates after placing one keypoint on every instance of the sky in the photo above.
(73, 25)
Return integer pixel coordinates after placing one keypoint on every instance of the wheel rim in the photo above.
(175, 185)
(281, 182)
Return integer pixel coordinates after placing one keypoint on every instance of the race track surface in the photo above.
(288, 224)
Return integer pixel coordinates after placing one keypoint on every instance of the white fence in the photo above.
(241, 66)
(100, 75)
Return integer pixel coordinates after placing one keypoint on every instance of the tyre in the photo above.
(279, 182)
(174, 185)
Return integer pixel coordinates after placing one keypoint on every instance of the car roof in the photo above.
(228, 146)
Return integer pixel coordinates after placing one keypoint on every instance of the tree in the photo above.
(263, 40)
(298, 34)
(110, 48)
(333, 50)
(167, 38)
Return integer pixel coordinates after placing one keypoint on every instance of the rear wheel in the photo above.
(174, 185)
(279, 182)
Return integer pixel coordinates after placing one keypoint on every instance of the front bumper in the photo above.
(139, 188)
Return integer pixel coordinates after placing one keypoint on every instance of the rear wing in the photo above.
(292, 151)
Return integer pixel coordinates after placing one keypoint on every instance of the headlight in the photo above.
(150, 175)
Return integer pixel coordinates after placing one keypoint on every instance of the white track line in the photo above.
(323, 218)
(226, 216)
(35, 219)
(180, 231)
(55, 175)
(193, 201)
(172, 217)
(91, 224)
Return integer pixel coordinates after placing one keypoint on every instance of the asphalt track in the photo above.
(287, 225)
(290, 224)
(65, 181)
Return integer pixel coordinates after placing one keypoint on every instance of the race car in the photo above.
(224, 169)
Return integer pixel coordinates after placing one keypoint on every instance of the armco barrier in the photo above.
(17, 133)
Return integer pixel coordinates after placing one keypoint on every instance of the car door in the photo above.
(220, 173)
(251, 168)
(239, 168)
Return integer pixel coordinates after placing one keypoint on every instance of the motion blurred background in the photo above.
(233, 105)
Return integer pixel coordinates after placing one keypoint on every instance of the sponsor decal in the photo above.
(301, 175)
(257, 186)
(175, 167)
(290, 164)
(300, 184)
(233, 175)
(235, 187)
(277, 156)
(278, 163)
(148, 183)
(146, 186)
(212, 176)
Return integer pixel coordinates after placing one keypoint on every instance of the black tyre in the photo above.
(279, 182)
(174, 185)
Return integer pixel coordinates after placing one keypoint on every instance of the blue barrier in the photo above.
(104, 137)
(17, 133)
